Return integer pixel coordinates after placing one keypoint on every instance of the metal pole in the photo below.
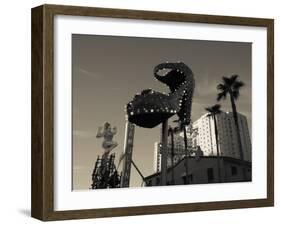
(133, 163)
(164, 152)
(172, 155)
(186, 155)
(218, 151)
(128, 151)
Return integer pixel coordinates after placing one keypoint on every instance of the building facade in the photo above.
(204, 129)
(201, 139)
(177, 154)
(203, 170)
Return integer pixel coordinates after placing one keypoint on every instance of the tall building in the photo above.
(179, 149)
(201, 138)
(227, 136)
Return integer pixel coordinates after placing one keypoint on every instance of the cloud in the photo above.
(85, 72)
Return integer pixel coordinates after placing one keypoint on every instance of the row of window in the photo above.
(209, 172)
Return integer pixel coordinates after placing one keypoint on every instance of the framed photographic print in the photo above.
(141, 112)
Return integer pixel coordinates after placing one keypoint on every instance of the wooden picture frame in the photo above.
(43, 121)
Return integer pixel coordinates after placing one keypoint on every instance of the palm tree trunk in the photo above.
(218, 153)
(186, 155)
(235, 116)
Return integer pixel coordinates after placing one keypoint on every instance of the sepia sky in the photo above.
(107, 71)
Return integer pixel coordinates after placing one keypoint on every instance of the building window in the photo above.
(233, 170)
(210, 174)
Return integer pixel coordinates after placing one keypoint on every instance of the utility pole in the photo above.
(164, 153)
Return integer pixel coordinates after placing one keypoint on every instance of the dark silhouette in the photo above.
(182, 127)
(231, 86)
(213, 111)
(171, 134)
(105, 174)
(151, 108)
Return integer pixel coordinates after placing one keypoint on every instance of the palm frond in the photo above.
(233, 78)
(208, 109)
(226, 81)
(230, 85)
(238, 85)
(213, 110)
(217, 108)
(221, 87)
(222, 95)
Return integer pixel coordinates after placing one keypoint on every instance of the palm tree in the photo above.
(231, 86)
(171, 133)
(213, 111)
